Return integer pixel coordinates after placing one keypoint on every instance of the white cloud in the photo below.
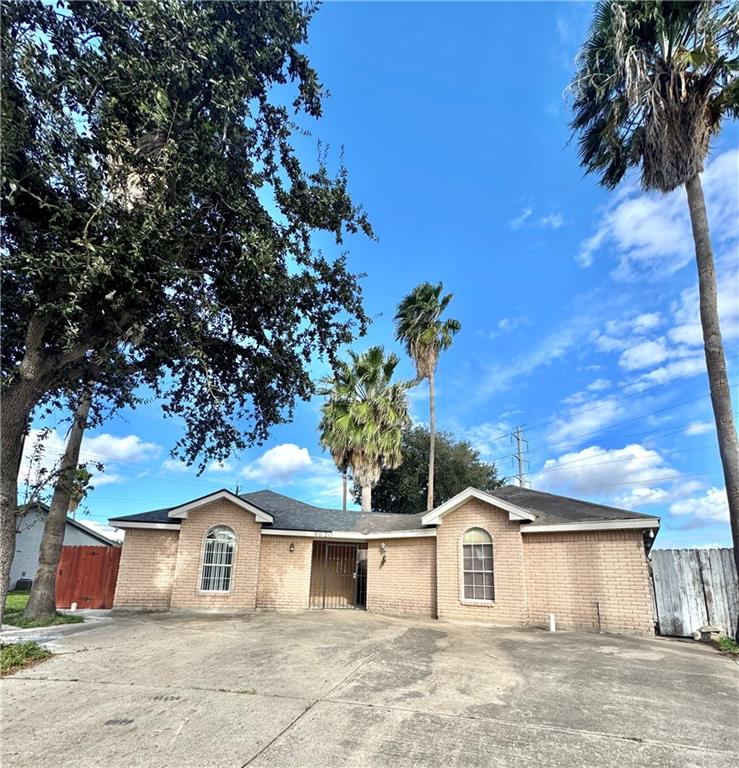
(553, 220)
(111, 451)
(278, 464)
(686, 367)
(598, 385)
(219, 466)
(175, 465)
(699, 428)
(644, 355)
(713, 506)
(506, 325)
(649, 234)
(323, 485)
(129, 449)
(584, 419)
(647, 321)
(520, 220)
(686, 312)
(500, 376)
(106, 530)
(490, 439)
(599, 471)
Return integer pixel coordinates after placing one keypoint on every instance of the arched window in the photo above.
(477, 565)
(218, 559)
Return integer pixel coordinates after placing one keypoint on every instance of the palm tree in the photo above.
(653, 82)
(418, 325)
(363, 417)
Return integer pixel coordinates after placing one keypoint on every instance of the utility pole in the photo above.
(522, 446)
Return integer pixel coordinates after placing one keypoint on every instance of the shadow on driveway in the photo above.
(346, 688)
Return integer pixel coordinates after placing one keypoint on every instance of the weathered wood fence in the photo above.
(693, 587)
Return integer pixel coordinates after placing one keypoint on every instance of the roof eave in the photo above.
(641, 523)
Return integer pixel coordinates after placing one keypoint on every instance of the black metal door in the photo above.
(334, 575)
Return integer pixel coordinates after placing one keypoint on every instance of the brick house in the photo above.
(512, 557)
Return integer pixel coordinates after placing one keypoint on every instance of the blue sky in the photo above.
(578, 305)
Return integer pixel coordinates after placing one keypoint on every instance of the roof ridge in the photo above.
(570, 498)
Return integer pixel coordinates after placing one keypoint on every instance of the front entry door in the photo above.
(334, 572)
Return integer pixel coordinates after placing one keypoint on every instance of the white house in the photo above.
(30, 528)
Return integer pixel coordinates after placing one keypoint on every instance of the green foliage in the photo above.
(15, 656)
(727, 644)
(458, 466)
(15, 604)
(364, 415)
(653, 82)
(157, 222)
(418, 326)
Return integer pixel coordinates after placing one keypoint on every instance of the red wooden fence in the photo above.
(87, 576)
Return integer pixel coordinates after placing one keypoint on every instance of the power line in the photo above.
(646, 480)
(613, 399)
(579, 437)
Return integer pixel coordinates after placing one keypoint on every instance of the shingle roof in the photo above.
(551, 509)
(293, 515)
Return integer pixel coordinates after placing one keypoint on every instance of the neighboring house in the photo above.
(30, 529)
(510, 557)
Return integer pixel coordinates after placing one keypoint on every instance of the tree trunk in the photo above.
(718, 378)
(18, 400)
(42, 602)
(432, 440)
(366, 498)
(344, 490)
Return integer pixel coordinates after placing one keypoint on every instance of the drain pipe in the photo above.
(552, 623)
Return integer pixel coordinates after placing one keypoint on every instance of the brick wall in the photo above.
(567, 573)
(406, 582)
(146, 569)
(509, 606)
(186, 593)
(284, 576)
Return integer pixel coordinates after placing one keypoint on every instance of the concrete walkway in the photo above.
(353, 689)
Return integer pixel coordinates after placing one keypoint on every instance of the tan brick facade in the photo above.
(146, 569)
(186, 592)
(406, 582)
(509, 606)
(574, 575)
(284, 576)
(589, 580)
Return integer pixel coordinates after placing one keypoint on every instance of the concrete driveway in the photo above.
(355, 689)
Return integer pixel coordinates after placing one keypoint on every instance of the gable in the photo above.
(436, 516)
(182, 512)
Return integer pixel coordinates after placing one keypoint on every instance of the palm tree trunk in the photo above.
(367, 498)
(42, 602)
(344, 490)
(432, 440)
(718, 378)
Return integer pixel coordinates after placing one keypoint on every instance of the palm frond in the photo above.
(652, 82)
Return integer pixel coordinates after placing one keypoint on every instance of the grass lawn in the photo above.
(15, 605)
(15, 656)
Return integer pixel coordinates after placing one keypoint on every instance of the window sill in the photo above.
(466, 601)
(214, 592)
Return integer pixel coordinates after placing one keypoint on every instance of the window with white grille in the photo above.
(218, 559)
(477, 565)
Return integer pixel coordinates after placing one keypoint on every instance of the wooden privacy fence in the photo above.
(87, 576)
(693, 587)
